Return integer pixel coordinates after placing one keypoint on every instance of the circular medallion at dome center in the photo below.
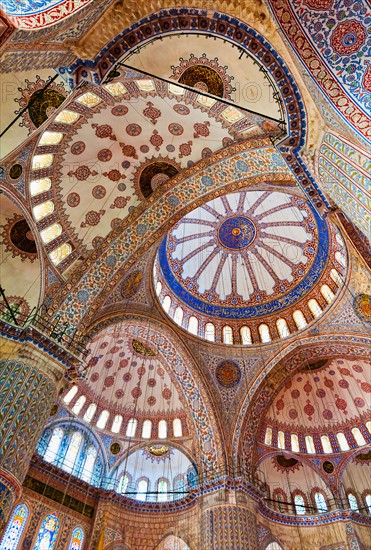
(237, 232)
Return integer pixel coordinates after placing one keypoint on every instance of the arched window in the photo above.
(360, 440)
(264, 333)
(281, 440)
(90, 412)
(246, 339)
(309, 443)
(367, 501)
(158, 288)
(42, 210)
(193, 325)
(353, 503)
(177, 427)
(88, 468)
(123, 485)
(268, 436)
(343, 443)
(142, 489)
(295, 443)
(15, 528)
(53, 445)
(166, 303)
(314, 308)
(77, 539)
(50, 233)
(178, 315)
(283, 329)
(70, 394)
(273, 546)
(368, 426)
(210, 332)
(321, 503)
(102, 420)
(299, 505)
(326, 444)
(336, 277)
(59, 254)
(299, 319)
(48, 533)
(227, 335)
(147, 429)
(76, 409)
(162, 489)
(162, 429)
(131, 427)
(72, 452)
(40, 186)
(116, 424)
(327, 293)
(339, 256)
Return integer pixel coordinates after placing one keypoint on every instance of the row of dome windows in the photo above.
(41, 185)
(302, 507)
(192, 325)
(118, 419)
(163, 489)
(310, 446)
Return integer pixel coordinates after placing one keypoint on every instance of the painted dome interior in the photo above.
(244, 256)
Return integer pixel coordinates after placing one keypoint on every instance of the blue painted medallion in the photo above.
(237, 232)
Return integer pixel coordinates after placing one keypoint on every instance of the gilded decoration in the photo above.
(207, 75)
(362, 307)
(18, 239)
(41, 100)
(228, 374)
(157, 450)
(142, 349)
(131, 284)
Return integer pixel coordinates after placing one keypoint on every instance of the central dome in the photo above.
(243, 256)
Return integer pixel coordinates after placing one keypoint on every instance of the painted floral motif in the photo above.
(103, 131)
(120, 202)
(82, 173)
(119, 110)
(228, 374)
(185, 149)
(156, 140)
(201, 129)
(319, 4)
(366, 82)
(152, 112)
(77, 148)
(133, 129)
(92, 218)
(348, 37)
(73, 200)
(176, 129)
(128, 150)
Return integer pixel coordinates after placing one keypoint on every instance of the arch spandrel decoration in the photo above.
(265, 388)
(37, 14)
(210, 449)
(246, 164)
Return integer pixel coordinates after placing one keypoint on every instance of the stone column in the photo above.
(229, 521)
(30, 379)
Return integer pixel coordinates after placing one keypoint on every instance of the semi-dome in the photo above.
(245, 260)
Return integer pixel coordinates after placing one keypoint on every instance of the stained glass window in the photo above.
(72, 452)
(77, 539)
(88, 468)
(353, 502)
(123, 485)
(162, 489)
(320, 502)
(15, 528)
(142, 489)
(299, 505)
(368, 503)
(47, 534)
(53, 445)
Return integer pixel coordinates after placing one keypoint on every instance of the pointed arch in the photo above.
(15, 528)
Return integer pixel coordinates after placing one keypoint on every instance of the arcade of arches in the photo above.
(185, 300)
